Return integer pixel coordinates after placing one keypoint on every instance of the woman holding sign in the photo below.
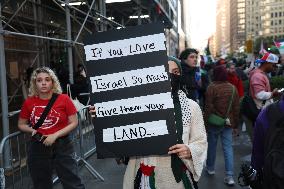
(182, 167)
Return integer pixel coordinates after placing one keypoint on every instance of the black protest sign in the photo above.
(131, 90)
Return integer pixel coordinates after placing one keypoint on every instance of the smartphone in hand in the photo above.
(281, 90)
(39, 137)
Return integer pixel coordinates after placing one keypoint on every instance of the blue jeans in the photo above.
(42, 160)
(226, 139)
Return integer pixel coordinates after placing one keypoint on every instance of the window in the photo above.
(271, 23)
(280, 14)
(276, 14)
(271, 15)
(280, 21)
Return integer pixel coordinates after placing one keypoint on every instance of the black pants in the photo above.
(43, 160)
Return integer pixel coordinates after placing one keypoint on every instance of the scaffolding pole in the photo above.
(75, 19)
(35, 10)
(93, 2)
(102, 6)
(4, 96)
(6, 32)
(15, 14)
(69, 48)
(97, 14)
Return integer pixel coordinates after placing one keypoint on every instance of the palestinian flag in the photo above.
(280, 45)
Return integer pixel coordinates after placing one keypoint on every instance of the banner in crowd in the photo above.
(280, 45)
(130, 88)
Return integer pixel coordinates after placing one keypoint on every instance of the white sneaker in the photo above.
(209, 172)
(229, 180)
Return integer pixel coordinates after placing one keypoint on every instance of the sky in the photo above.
(202, 14)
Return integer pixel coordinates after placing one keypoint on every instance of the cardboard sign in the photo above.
(131, 91)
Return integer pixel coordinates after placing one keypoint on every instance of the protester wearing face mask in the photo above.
(181, 168)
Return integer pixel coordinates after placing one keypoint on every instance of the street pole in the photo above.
(102, 6)
(69, 48)
(4, 96)
(35, 10)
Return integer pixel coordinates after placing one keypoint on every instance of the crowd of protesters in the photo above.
(222, 78)
(217, 88)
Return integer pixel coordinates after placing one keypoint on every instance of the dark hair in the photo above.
(221, 62)
(220, 73)
(184, 54)
(81, 67)
(240, 62)
(228, 65)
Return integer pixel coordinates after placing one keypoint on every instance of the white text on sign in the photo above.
(135, 131)
(134, 105)
(125, 47)
(128, 79)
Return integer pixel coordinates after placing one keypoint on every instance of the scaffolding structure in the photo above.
(50, 33)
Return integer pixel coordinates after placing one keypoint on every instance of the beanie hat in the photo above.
(177, 61)
(271, 58)
(221, 62)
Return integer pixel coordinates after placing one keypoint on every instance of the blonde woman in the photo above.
(55, 150)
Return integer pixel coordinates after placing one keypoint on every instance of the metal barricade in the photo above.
(87, 145)
(13, 170)
(15, 175)
(13, 150)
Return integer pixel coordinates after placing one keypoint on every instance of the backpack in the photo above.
(273, 169)
(248, 108)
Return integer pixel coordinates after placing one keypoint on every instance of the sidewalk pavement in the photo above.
(113, 173)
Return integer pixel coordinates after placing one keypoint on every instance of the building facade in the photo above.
(237, 25)
(222, 28)
(184, 22)
(230, 26)
(212, 45)
(264, 19)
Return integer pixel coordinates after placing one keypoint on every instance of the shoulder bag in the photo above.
(219, 121)
(38, 136)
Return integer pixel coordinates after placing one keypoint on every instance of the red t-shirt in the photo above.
(57, 117)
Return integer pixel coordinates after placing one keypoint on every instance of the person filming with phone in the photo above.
(259, 82)
(260, 89)
(49, 116)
